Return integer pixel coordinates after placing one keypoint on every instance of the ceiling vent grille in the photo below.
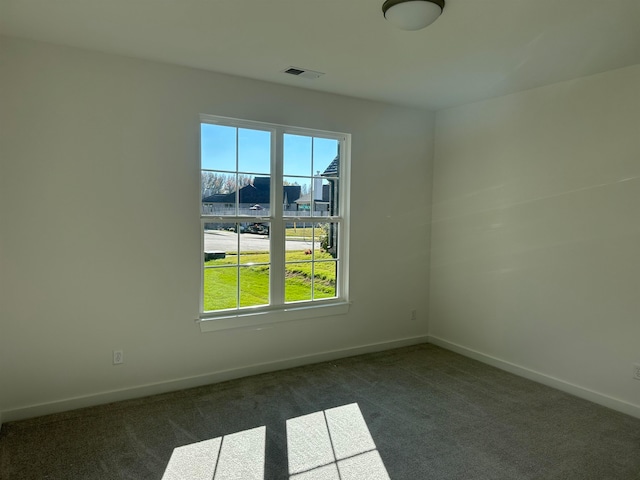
(303, 73)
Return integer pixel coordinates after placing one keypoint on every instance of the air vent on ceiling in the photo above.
(303, 73)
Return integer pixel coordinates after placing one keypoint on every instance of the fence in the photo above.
(218, 211)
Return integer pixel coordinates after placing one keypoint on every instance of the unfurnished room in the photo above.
(320, 239)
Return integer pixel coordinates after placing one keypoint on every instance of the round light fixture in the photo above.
(412, 14)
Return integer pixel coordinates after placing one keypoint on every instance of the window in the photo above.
(273, 215)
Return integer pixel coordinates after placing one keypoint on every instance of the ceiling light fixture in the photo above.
(412, 14)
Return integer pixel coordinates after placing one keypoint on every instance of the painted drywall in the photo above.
(99, 188)
(535, 236)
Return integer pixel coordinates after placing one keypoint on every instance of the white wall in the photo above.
(536, 234)
(99, 226)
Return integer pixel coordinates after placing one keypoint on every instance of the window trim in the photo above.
(247, 317)
(264, 317)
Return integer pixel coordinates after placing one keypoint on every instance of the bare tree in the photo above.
(212, 183)
(216, 183)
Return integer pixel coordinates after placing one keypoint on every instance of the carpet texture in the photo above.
(431, 414)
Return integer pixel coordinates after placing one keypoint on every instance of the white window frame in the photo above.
(278, 310)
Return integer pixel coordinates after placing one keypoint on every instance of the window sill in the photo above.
(260, 319)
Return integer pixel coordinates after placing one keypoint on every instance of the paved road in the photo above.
(249, 242)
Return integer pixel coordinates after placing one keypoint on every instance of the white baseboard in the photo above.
(578, 391)
(200, 380)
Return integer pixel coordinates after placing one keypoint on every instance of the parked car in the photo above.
(258, 228)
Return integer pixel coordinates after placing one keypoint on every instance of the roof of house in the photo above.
(256, 193)
(333, 169)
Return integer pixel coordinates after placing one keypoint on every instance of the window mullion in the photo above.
(277, 233)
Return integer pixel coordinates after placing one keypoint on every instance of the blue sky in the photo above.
(301, 153)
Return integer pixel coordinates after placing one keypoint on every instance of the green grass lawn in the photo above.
(221, 284)
(302, 232)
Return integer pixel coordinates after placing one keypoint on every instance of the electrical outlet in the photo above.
(414, 315)
(118, 357)
(636, 371)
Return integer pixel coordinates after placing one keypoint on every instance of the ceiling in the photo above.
(475, 50)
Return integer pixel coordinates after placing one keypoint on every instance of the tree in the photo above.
(211, 183)
(217, 183)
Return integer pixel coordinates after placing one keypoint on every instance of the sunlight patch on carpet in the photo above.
(239, 456)
(333, 444)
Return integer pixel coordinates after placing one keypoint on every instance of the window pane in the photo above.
(254, 286)
(325, 153)
(299, 241)
(218, 190)
(297, 155)
(220, 244)
(330, 191)
(297, 285)
(324, 279)
(255, 196)
(254, 151)
(322, 191)
(326, 240)
(217, 147)
(220, 288)
(254, 243)
(296, 195)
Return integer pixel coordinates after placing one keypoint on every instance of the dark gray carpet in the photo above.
(432, 414)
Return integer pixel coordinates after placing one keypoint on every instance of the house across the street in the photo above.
(254, 198)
